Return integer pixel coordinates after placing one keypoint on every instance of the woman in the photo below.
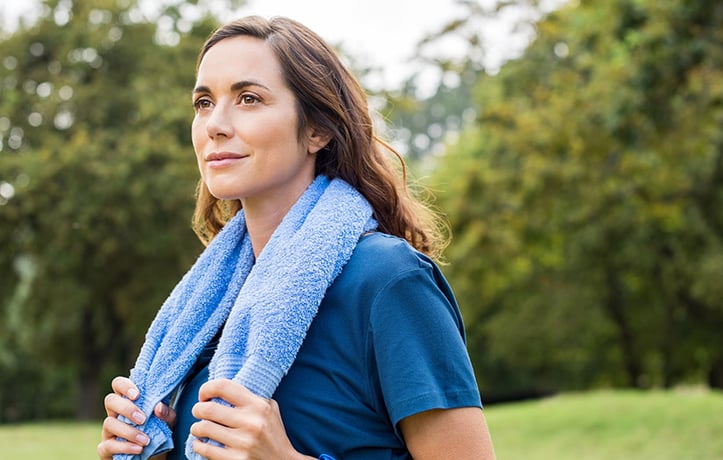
(285, 146)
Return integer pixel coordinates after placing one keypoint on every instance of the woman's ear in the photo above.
(317, 139)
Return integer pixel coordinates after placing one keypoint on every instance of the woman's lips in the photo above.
(222, 159)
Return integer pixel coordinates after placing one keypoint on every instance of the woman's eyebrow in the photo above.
(239, 85)
(201, 89)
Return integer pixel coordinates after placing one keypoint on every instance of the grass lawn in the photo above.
(50, 441)
(616, 425)
(660, 425)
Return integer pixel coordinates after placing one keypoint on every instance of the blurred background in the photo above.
(576, 148)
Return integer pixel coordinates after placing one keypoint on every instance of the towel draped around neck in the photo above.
(266, 304)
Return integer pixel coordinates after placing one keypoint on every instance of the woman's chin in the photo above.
(222, 193)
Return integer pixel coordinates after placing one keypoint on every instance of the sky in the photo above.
(381, 33)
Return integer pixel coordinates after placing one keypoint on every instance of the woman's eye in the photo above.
(201, 104)
(248, 99)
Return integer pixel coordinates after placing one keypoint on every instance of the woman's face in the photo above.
(245, 132)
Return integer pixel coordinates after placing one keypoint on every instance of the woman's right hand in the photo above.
(120, 402)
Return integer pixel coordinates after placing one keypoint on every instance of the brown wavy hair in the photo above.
(331, 99)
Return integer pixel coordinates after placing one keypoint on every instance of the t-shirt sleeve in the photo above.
(419, 348)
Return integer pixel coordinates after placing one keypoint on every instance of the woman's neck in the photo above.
(263, 216)
(261, 226)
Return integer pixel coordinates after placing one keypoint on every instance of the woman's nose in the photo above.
(219, 122)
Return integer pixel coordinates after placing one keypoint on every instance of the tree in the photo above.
(458, 53)
(96, 192)
(585, 202)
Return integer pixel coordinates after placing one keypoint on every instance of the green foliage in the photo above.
(97, 177)
(586, 203)
(457, 53)
(420, 127)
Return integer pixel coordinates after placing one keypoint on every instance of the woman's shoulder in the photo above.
(380, 257)
(389, 253)
(386, 271)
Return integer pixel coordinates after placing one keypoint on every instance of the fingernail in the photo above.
(133, 393)
(138, 417)
(143, 439)
(135, 448)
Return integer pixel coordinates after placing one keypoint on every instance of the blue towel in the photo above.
(267, 304)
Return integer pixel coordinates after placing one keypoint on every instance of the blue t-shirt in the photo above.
(387, 343)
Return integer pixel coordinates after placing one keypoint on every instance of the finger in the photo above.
(107, 448)
(110, 406)
(252, 420)
(125, 387)
(221, 434)
(232, 392)
(114, 428)
(166, 414)
(110, 444)
(219, 413)
(209, 451)
(116, 405)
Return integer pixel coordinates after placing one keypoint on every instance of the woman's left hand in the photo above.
(252, 429)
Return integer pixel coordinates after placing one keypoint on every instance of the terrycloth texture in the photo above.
(267, 304)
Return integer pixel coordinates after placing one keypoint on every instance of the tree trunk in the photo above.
(88, 401)
(668, 338)
(715, 374)
(616, 310)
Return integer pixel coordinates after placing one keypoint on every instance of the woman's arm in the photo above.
(440, 434)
